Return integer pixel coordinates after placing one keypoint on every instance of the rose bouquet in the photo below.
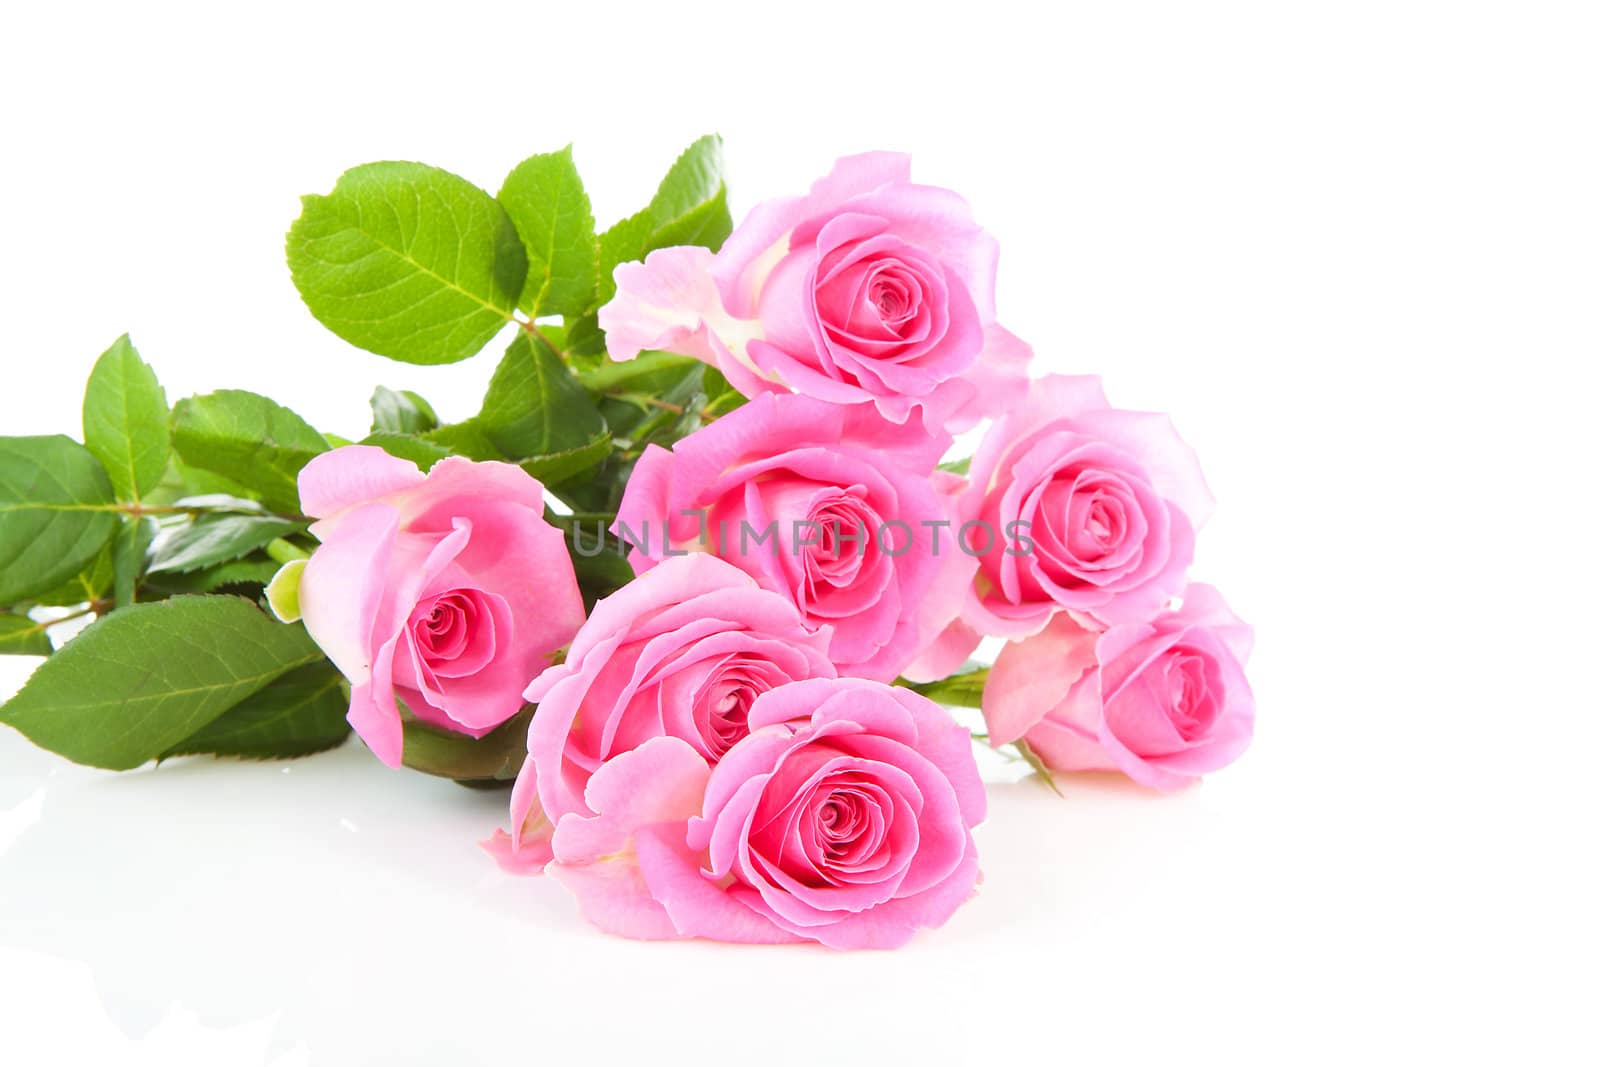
(700, 579)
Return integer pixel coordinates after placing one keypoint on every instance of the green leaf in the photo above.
(545, 198)
(401, 412)
(648, 372)
(94, 582)
(661, 407)
(584, 340)
(465, 438)
(21, 636)
(534, 406)
(57, 510)
(419, 450)
(626, 241)
(235, 574)
(247, 439)
(142, 679)
(964, 690)
(130, 550)
(957, 466)
(690, 208)
(182, 480)
(721, 398)
(125, 420)
(600, 573)
(299, 714)
(555, 468)
(408, 261)
(212, 539)
(709, 225)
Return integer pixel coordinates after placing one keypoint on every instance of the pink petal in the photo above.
(374, 715)
(1203, 605)
(1170, 463)
(663, 304)
(614, 897)
(697, 906)
(528, 859)
(342, 586)
(1031, 677)
(661, 781)
(997, 384)
(352, 475)
(945, 655)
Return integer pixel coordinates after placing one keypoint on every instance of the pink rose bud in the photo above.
(1088, 508)
(871, 290)
(447, 591)
(1162, 702)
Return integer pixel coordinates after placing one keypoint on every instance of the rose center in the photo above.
(850, 824)
(730, 717)
(844, 532)
(1191, 705)
(455, 632)
(1097, 522)
(443, 632)
(891, 299)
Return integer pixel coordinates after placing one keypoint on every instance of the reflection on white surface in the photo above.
(334, 908)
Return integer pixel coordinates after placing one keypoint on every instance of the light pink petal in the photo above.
(993, 615)
(529, 859)
(852, 176)
(1204, 606)
(1048, 399)
(614, 897)
(511, 544)
(1146, 772)
(342, 587)
(997, 384)
(545, 773)
(661, 781)
(752, 250)
(947, 745)
(663, 304)
(1031, 677)
(945, 655)
(698, 907)
(352, 475)
(888, 925)
(758, 242)
(1170, 463)
(1065, 746)
(374, 715)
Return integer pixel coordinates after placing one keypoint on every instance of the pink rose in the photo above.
(1163, 701)
(869, 290)
(447, 591)
(830, 506)
(844, 818)
(1074, 505)
(682, 651)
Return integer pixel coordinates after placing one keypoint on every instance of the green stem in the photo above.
(584, 516)
(647, 400)
(282, 551)
(40, 627)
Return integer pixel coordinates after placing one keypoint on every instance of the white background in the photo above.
(1354, 248)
